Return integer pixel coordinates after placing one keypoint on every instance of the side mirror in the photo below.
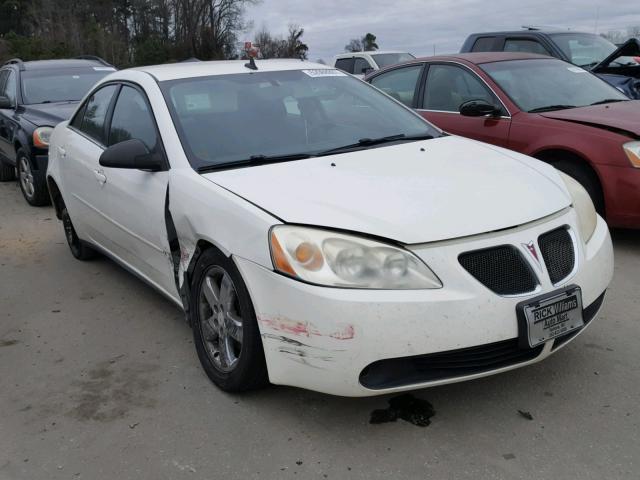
(132, 154)
(5, 103)
(478, 108)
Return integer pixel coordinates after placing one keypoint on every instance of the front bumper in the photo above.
(324, 339)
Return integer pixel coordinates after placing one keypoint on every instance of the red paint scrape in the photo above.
(306, 329)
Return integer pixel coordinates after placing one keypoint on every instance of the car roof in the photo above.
(532, 31)
(371, 52)
(479, 58)
(175, 71)
(54, 64)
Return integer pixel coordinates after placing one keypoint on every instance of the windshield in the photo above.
(584, 49)
(241, 117)
(386, 59)
(550, 84)
(60, 85)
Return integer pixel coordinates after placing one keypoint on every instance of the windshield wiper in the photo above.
(550, 108)
(609, 100)
(253, 160)
(368, 142)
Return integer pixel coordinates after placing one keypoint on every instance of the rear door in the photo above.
(446, 86)
(82, 176)
(137, 198)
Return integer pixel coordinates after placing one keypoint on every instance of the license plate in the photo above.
(550, 316)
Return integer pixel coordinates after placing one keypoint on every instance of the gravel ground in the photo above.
(100, 380)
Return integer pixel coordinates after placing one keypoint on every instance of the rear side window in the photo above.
(132, 119)
(522, 45)
(94, 113)
(360, 66)
(399, 83)
(483, 44)
(345, 64)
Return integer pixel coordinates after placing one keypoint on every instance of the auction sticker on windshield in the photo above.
(324, 72)
(550, 316)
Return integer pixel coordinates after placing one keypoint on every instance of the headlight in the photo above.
(41, 137)
(334, 259)
(587, 217)
(632, 149)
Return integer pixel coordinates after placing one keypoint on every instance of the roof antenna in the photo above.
(251, 52)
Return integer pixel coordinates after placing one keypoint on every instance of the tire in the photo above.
(34, 187)
(7, 172)
(587, 179)
(79, 249)
(232, 357)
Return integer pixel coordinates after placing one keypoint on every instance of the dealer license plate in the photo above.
(550, 316)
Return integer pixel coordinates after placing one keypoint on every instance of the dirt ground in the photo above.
(99, 380)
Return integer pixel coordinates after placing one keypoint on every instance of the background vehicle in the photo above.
(249, 192)
(361, 63)
(613, 64)
(538, 106)
(34, 98)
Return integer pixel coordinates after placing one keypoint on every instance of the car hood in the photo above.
(630, 48)
(413, 193)
(49, 114)
(624, 116)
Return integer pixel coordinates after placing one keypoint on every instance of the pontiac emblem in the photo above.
(532, 250)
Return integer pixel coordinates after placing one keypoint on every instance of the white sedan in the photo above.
(317, 233)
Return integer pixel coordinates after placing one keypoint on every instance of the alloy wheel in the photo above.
(220, 319)
(26, 177)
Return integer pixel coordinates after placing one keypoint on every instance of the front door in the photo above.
(137, 198)
(447, 87)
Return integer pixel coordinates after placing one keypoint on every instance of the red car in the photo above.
(536, 105)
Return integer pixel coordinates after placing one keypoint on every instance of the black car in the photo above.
(616, 65)
(34, 98)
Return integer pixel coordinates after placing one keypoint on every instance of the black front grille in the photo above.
(453, 363)
(501, 269)
(557, 251)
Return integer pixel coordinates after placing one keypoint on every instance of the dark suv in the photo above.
(34, 98)
(618, 66)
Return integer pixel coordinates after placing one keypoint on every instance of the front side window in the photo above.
(132, 119)
(388, 59)
(241, 117)
(360, 66)
(60, 85)
(449, 86)
(524, 45)
(584, 49)
(550, 84)
(399, 83)
(95, 113)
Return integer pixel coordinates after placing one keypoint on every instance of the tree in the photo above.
(364, 44)
(354, 45)
(293, 43)
(369, 42)
(276, 47)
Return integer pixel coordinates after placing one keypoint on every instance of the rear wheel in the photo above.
(224, 324)
(79, 249)
(7, 172)
(33, 187)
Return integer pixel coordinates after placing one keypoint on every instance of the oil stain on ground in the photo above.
(405, 407)
(8, 343)
(109, 391)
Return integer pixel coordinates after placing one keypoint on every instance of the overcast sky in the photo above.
(418, 26)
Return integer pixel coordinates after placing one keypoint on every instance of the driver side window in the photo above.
(9, 88)
(132, 119)
(449, 86)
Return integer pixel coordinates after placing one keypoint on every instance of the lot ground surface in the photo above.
(99, 380)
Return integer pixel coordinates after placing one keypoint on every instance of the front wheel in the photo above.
(224, 325)
(34, 188)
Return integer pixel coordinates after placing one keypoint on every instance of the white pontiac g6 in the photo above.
(319, 234)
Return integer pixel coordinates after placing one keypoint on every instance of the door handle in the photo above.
(100, 176)
(62, 152)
